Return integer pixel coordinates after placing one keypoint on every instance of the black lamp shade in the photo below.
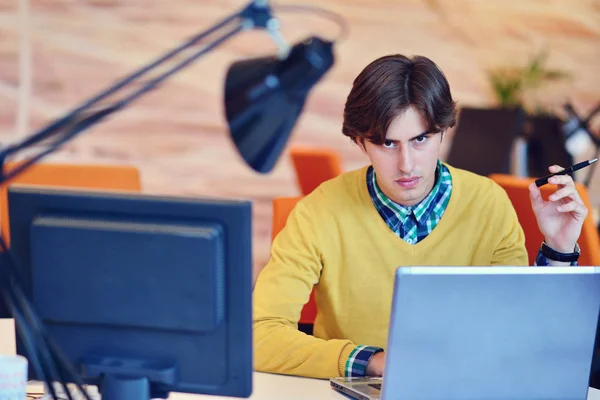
(265, 96)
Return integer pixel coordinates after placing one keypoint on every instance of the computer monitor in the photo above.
(156, 289)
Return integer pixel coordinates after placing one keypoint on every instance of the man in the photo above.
(407, 208)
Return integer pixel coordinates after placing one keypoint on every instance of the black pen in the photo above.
(542, 181)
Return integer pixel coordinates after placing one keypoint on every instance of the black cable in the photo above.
(48, 361)
(17, 302)
(8, 286)
(65, 364)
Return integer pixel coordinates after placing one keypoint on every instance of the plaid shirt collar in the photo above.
(395, 214)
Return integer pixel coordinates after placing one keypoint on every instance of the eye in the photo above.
(421, 139)
(389, 144)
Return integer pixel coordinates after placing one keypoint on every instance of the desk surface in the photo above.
(269, 386)
(275, 387)
(266, 386)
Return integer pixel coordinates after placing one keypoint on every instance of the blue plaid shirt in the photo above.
(411, 224)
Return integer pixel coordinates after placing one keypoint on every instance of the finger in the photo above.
(564, 180)
(566, 192)
(536, 196)
(555, 168)
(578, 210)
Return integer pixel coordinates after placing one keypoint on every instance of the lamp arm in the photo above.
(45, 356)
(256, 14)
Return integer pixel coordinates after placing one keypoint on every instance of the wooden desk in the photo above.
(266, 386)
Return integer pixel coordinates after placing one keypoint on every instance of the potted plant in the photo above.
(512, 84)
(517, 87)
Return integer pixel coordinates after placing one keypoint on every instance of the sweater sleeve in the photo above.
(281, 290)
(510, 249)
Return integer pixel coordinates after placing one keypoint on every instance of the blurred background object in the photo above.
(314, 165)
(520, 135)
(485, 138)
(579, 138)
(178, 139)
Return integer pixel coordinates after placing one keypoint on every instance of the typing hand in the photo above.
(561, 218)
(376, 365)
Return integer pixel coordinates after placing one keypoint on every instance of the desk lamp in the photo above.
(263, 99)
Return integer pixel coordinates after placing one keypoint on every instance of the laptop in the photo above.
(487, 333)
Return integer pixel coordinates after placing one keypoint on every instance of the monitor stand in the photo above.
(129, 378)
(115, 387)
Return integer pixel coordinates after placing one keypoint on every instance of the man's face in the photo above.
(405, 163)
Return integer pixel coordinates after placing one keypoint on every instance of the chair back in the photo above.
(73, 176)
(282, 206)
(314, 166)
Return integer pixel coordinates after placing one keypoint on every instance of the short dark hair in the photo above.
(389, 86)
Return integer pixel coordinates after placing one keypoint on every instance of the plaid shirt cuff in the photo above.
(356, 364)
(541, 261)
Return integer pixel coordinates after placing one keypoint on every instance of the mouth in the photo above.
(408, 183)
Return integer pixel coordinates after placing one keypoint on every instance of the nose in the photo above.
(406, 159)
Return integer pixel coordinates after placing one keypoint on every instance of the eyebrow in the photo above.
(428, 132)
(422, 134)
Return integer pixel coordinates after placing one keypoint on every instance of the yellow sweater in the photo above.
(335, 239)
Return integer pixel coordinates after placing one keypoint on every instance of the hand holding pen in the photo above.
(560, 219)
(542, 181)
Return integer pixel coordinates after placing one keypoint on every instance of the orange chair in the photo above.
(99, 177)
(518, 191)
(282, 206)
(314, 166)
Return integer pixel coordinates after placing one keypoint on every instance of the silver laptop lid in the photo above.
(492, 333)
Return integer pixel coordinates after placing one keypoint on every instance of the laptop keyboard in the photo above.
(375, 385)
